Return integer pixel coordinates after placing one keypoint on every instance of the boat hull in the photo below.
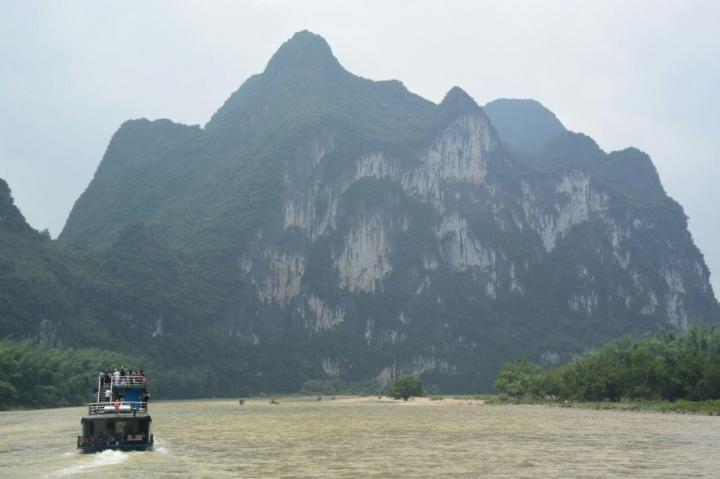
(121, 432)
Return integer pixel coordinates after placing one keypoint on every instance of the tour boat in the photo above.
(119, 418)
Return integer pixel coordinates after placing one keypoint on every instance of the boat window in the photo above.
(110, 426)
(144, 426)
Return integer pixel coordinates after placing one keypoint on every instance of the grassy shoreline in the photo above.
(681, 406)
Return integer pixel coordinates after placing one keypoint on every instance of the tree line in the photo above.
(668, 366)
(32, 375)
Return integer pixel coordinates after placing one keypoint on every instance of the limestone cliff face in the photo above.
(459, 210)
(394, 235)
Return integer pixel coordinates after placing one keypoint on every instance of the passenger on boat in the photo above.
(108, 395)
(116, 376)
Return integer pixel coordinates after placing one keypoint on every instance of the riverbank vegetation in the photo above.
(681, 406)
(338, 387)
(680, 369)
(669, 372)
(33, 376)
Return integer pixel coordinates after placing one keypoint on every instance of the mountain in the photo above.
(524, 125)
(326, 226)
(60, 297)
(39, 283)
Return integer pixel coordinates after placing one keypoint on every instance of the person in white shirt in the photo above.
(116, 377)
(108, 395)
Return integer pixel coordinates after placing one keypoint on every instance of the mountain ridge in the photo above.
(322, 225)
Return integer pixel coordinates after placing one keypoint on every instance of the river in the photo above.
(352, 438)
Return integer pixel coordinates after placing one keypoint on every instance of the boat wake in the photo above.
(160, 446)
(89, 462)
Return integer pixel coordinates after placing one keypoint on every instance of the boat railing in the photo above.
(128, 380)
(116, 407)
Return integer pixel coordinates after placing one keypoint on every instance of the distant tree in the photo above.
(518, 378)
(405, 387)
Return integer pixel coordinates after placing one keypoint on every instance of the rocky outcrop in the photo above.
(573, 203)
(363, 262)
(456, 155)
(323, 316)
(282, 284)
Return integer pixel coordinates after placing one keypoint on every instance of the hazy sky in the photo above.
(640, 73)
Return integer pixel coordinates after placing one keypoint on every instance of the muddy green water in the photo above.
(335, 439)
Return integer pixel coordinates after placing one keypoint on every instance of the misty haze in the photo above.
(471, 240)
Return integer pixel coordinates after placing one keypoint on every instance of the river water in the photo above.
(350, 438)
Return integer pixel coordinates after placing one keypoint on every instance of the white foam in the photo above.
(160, 446)
(88, 462)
